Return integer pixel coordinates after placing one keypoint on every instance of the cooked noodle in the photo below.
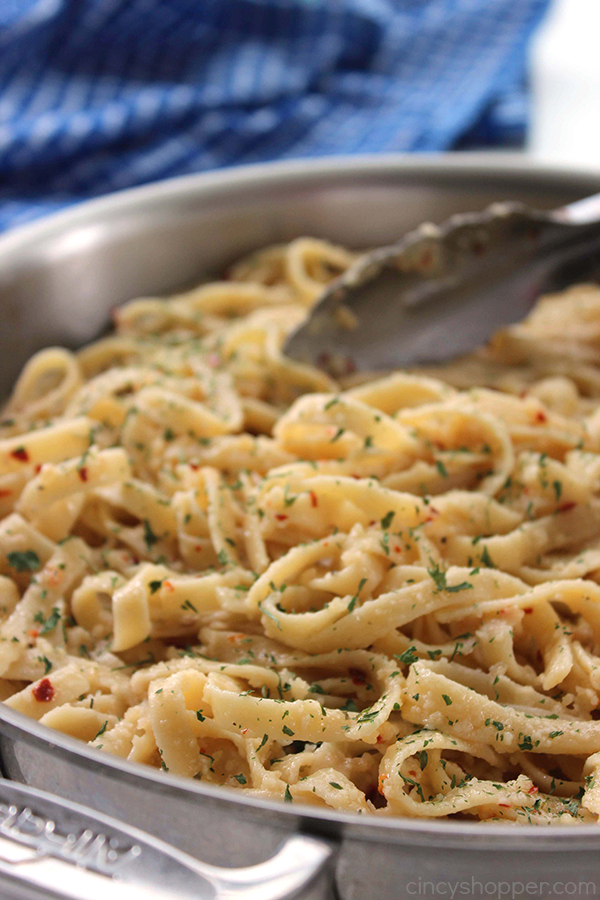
(378, 596)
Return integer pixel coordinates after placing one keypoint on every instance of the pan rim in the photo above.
(513, 166)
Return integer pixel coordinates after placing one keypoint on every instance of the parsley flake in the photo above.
(149, 537)
(387, 519)
(24, 560)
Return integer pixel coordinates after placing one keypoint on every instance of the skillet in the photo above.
(59, 278)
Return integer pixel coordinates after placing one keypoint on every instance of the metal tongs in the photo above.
(52, 849)
(441, 291)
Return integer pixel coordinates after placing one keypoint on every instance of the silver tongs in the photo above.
(52, 849)
(441, 291)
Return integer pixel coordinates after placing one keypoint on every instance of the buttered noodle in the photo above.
(378, 596)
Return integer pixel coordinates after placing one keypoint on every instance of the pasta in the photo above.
(379, 594)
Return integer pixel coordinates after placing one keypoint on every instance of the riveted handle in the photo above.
(51, 847)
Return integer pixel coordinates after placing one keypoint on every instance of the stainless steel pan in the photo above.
(58, 281)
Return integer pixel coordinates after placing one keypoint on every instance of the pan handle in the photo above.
(53, 848)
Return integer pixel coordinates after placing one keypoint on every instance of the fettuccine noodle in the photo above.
(375, 595)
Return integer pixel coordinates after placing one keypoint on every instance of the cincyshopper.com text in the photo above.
(501, 889)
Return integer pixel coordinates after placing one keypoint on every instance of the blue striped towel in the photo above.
(97, 95)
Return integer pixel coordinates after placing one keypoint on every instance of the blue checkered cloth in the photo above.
(97, 95)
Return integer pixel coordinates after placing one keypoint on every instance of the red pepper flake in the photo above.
(533, 789)
(528, 609)
(44, 691)
(21, 454)
(52, 576)
(541, 416)
(37, 469)
(397, 548)
(281, 517)
(194, 466)
(314, 500)
(357, 676)
(5, 492)
(33, 633)
(379, 739)
(504, 805)
(168, 585)
(83, 473)
(566, 506)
